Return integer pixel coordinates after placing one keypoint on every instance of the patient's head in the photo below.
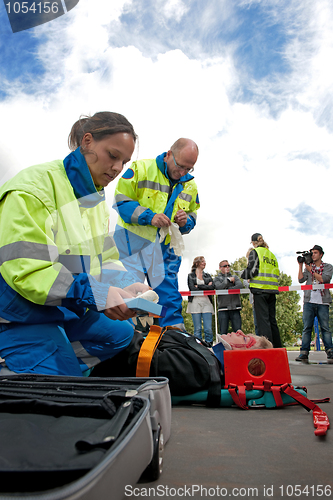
(239, 340)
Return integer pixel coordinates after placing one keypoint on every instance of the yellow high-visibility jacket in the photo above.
(53, 242)
(268, 275)
(145, 190)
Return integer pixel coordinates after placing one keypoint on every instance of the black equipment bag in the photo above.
(189, 366)
(75, 437)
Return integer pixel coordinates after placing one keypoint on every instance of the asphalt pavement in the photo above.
(259, 453)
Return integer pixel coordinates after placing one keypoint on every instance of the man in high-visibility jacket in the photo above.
(263, 273)
(153, 194)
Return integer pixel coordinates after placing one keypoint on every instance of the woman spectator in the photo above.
(201, 307)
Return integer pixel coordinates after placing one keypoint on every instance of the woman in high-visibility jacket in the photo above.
(263, 273)
(62, 307)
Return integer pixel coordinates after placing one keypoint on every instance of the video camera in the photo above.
(305, 257)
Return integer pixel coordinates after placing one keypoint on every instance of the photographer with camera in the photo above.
(316, 302)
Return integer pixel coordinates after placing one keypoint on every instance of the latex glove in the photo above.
(176, 238)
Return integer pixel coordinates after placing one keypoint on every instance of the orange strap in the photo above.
(147, 351)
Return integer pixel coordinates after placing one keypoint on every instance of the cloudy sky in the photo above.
(249, 80)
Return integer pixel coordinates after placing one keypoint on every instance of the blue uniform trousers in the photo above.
(69, 348)
(158, 264)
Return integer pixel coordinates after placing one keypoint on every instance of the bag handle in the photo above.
(147, 351)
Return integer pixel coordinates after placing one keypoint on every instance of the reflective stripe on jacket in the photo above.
(268, 276)
(145, 190)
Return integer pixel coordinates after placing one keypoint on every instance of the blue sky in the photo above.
(248, 80)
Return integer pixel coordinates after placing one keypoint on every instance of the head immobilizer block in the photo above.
(239, 364)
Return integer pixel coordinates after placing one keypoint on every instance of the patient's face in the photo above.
(238, 340)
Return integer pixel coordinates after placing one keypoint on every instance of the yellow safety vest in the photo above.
(268, 276)
(37, 260)
(151, 189)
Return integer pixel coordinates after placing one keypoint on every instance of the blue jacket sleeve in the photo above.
(126, 210)
(86, 291)
(190, 224)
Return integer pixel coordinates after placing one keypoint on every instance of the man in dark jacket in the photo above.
(229, 306)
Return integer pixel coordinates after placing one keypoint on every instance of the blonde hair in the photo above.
(262, 343)
(196, 262)
(260, 242)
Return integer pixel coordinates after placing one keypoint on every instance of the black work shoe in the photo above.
(329, 354)
(303, 356)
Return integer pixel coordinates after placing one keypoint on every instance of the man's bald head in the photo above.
(183, 143)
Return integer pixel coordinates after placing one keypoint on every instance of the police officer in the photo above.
(263, 273)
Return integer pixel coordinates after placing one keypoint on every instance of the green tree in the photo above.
(247, 315)
(187, 318)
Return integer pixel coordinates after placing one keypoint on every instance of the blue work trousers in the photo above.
(157, 263)
(69, 348)
(310, 311)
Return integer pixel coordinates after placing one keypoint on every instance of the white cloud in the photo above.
(175, 9)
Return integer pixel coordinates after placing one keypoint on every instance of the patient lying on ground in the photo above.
(240, 340)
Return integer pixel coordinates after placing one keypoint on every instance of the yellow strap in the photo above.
(147, 351)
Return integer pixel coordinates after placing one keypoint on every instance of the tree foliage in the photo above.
(288, 315)
(187, 318)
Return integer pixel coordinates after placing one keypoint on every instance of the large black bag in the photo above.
(74, 437)
(187, 363)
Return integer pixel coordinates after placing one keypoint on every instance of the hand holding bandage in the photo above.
(176, 238)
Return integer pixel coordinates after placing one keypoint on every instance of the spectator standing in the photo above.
(316, 303)
(263, 272)
(201, 307)
(229, 306)
(153, 194)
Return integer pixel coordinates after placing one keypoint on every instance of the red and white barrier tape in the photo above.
(236, 291)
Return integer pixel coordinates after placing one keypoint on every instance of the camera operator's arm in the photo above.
(316, 276)
(301, 277)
